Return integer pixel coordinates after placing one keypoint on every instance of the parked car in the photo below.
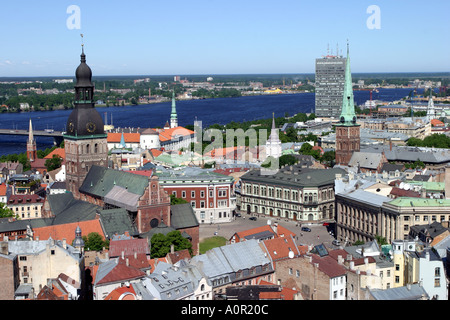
(306, 229)
(336, 242)
(252, 218)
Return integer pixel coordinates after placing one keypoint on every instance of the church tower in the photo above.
(173, 114)
(347, 130)
(85, 141)
(431, 111)
(31, 145)
(273, 144)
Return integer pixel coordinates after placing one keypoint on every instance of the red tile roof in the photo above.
(169, 134)
(279, 248)
(281, 232)
(24, 199)
(121, 272)
(329, 266)
(122, 293)
(128, 246)
(3, 188)
(61, 152)
(285, 294)
(67, 231)
(129, 137)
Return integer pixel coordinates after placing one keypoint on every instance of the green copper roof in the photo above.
(348, 115)
(173, 114)
(419, 202)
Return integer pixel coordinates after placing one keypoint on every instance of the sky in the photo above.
(179, 37)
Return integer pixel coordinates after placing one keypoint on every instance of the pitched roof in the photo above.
(122, 293)
(128, 246)
(183, 216)
(263, 232)
(280, 248)
(115, 271)
(67, 230)
(100, 180)
(67, 209)
(61, 152)
(24, 198)
(329, 266)
(117, 221)
(3, 188)
(169, 134)
(129, 137)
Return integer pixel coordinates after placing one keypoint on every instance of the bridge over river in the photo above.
(56, 135)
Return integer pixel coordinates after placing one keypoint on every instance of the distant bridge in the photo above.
(56, 135)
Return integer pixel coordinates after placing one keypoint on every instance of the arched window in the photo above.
(87, 148)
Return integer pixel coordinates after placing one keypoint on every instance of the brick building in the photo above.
(210, 194)
(143, 197)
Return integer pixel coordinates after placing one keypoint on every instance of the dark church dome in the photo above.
(83, 72)
(84, 119)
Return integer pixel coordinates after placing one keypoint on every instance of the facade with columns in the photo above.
(362, 216)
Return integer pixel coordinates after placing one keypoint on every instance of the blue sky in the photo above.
(147, 37)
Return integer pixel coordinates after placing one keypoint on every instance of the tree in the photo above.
(95, 242)
(53, 163)
(160, 244)
(174, 200)
(287, 159)
(5, 212)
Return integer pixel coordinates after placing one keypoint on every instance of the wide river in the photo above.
(209, 111)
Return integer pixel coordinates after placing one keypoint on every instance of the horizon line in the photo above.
(223, 74)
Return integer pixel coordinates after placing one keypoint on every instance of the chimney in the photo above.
(340, 260)
(135, 255)
(127, 262)
(64, 243)
(352, 265)
(123, 254)
(275, 227)
(172, 248)
(4, 248)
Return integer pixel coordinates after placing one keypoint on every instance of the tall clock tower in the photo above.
(347, 130)
(85, 141)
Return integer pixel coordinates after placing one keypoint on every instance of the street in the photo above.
(319, 233)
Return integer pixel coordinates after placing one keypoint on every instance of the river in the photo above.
(209, 111)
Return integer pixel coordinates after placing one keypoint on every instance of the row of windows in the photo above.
(221, 193)
(288, 194)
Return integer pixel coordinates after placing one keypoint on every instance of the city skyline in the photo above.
(211, 37)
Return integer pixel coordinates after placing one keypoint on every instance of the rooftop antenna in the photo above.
(337, 49)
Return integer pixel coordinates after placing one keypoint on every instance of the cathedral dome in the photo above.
(83, 72)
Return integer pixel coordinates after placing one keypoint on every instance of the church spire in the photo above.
(173, 114)
(431, 112)
(348, 115)
(31, 145)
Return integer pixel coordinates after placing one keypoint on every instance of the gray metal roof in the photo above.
(231, 258)
(116, 221)
(99, 181)
(183, 216)
(295, 176)
(412, 292)
(121, 197)
(366, 197)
